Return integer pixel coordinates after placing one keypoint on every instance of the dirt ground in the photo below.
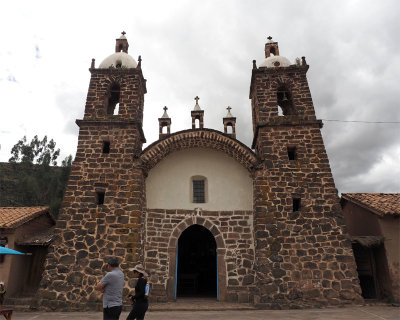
(364, 312)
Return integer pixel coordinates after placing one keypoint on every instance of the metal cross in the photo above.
(229, 109)
(123, 33)
(165, 108)
(197, 99)
(269, 38)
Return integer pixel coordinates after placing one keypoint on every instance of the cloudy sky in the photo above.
(206, 48)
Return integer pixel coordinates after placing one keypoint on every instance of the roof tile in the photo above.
(380, 203)
(12, 217)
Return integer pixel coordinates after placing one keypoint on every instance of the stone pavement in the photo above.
(362, 312)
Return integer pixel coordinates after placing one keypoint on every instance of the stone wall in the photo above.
(303, 256)
(90, 230)
(233, 232)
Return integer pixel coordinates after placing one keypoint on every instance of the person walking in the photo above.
(111, 286)
(2, 292)
(140, 302)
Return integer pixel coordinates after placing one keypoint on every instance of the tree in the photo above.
(39, 181)
(36, 151)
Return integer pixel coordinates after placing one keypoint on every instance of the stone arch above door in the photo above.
(182, 226)
(221, 249)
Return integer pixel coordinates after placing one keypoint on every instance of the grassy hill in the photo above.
(24, 184)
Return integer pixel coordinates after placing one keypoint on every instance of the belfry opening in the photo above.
(197, 263)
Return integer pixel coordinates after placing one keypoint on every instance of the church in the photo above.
(205, 214)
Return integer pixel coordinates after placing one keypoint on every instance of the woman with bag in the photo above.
(140, 302)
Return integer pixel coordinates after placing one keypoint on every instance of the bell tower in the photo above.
(301, 247)
(104, 200)
(122, 43)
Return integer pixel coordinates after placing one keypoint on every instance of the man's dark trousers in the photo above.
(112, 313)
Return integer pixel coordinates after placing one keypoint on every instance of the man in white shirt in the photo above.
(111, 286)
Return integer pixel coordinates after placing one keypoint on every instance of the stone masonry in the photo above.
(88, 231)
(235, 249)
(290, 251)
(303, 256)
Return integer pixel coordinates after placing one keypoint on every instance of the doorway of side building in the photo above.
(372, 268)
(197, 263)
(34, 268)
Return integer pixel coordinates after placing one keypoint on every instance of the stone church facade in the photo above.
(204, 213)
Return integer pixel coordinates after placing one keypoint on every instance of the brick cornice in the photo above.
(198, 138)
(119, 122)
(285, 122)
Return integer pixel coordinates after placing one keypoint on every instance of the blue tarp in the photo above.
(4, 250)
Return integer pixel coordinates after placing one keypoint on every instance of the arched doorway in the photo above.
(196, 263)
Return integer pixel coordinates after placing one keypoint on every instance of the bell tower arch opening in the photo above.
(113, 99)
(284, 100)
(197, 263)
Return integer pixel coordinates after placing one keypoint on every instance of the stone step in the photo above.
(23, 304)
(17, 307)
(18, 303)
(18, 300)
(199, 305)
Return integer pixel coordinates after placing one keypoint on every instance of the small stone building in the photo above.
(373, 223)
(205, 214)
(28, 230)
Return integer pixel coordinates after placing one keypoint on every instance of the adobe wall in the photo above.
(233, 232)
(19, 263)
(13, 269)
(5, 267)
(360, 222)
(390, 227)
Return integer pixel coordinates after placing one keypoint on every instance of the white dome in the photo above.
(122, 58)
(275, 61)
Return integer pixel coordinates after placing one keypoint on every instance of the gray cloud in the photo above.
(37, 50)
(351, 76)
(72, 105)
(11, 78)
(206, 49)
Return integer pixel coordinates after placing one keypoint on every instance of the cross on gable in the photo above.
(197, 99)
(165, 108)
(123, 33)
(269, 38)
(229, 109)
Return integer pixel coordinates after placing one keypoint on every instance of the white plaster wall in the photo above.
(230, 186)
